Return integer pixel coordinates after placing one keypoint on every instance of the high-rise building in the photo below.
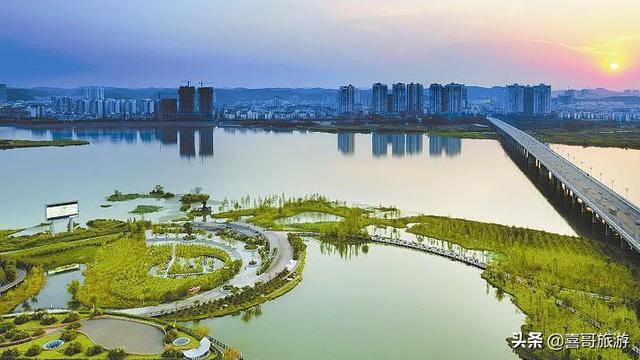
(515, 99)
(93, 92)
(528, 100)
(415, 93)
(379, 94)
(454, 98)
(186, 100)
(541, 99)
(205, 101)
(389, 103)
(168, 109)
(399, 93)
(3, 93)
(435, 98)
(346, 99)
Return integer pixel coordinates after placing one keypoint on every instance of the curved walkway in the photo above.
(453, 255)
(246, 277)
(21, 274)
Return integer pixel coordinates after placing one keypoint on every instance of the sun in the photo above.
(613, 66)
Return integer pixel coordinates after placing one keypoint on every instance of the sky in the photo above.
(320, 43)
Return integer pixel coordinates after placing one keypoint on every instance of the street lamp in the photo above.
(612, 181)
(626, 192)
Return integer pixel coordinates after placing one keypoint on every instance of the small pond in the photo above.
(308, 217)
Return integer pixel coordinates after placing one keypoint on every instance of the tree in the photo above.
(230, 354)
(201, 330)
(73, 287)
(116, 354)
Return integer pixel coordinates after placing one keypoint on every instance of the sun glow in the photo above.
(613, 66)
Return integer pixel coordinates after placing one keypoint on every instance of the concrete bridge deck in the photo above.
(621, 216)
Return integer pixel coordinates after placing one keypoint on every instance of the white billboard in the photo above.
(61, 210)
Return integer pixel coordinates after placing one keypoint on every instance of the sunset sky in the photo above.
(324, 43)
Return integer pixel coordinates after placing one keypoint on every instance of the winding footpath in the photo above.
(246, 277)
(21, 274)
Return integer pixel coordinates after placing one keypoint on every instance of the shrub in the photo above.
(116, 354)
(11, 353)
(71, 317)
(172, 353)
(16, 334)
(73, 326)
(34, 350)
(68, 335)
(38, 332)
(21, 319)
(47, 319)
(94, 350)
(201, 330)
(73, 348)
(6, 326)
(95, 312)
(170, 336)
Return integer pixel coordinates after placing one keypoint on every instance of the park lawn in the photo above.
(120, 276)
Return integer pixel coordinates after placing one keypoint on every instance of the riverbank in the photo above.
(562, 283)
(581, 132)
(6, 144)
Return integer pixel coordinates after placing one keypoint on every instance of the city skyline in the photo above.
(287, 44)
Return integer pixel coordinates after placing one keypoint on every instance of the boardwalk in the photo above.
(619, 214)
(21, 274)
(420, 246)
(453, 255)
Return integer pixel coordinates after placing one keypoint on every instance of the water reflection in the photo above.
(187, 138)
(187, 142)
(412, 144)
(450, 146)
(346, 143)
(399, 146)
(345, 251)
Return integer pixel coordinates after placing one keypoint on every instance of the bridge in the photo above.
(620, 217)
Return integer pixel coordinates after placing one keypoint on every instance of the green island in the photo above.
(6, 144)
(552, 278)
(158, 192)
(146, 209)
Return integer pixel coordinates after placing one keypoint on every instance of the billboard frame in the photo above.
(74, 202)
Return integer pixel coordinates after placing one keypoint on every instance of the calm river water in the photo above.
(388, 303)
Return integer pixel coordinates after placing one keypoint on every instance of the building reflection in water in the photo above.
(414, 144)
(184, 137)
(168, 135)
(346, 143)
(206, 141)
(450, 146)
(401, 144)
(187, 142)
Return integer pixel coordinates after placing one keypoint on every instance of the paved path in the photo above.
(619, 213)
(173, 259)
(21, 274)
(246, 277)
